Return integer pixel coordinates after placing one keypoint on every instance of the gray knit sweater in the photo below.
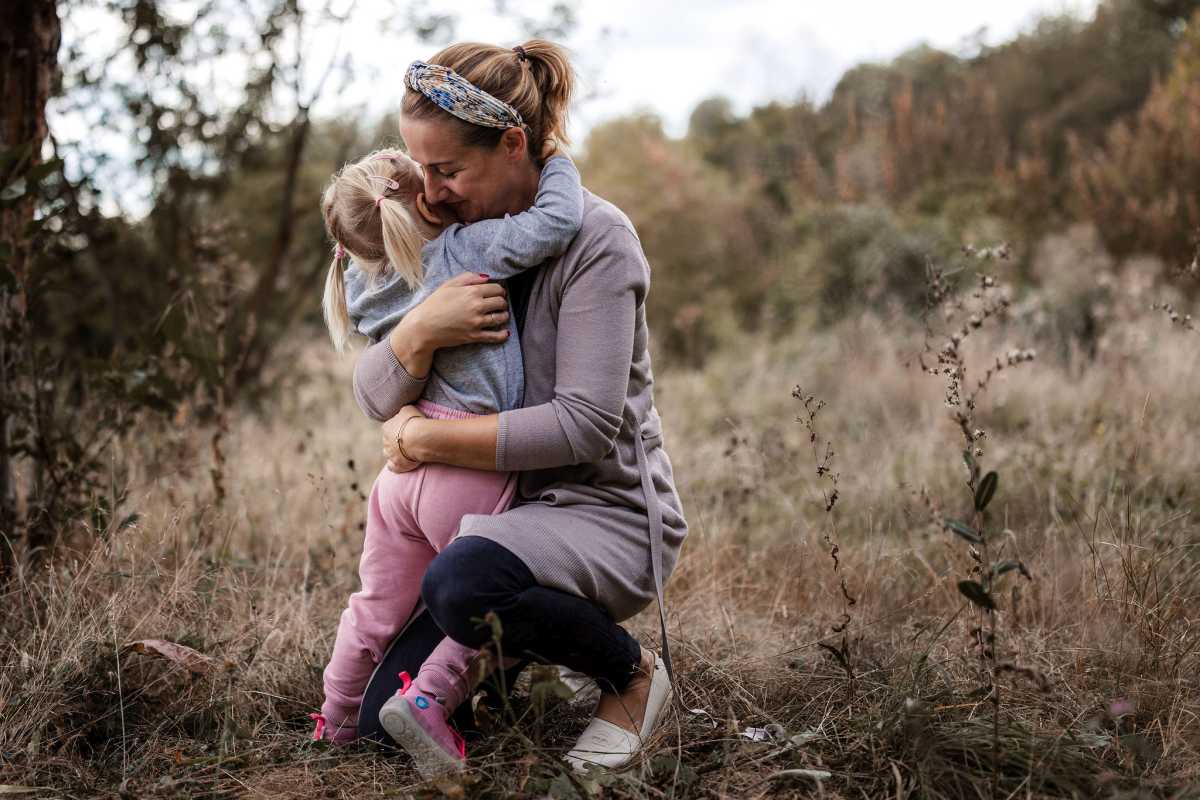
(579, 522)
(479, 378)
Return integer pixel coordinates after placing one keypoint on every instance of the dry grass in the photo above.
(1097, 464)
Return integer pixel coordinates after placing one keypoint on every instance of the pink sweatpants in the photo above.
(411, 517)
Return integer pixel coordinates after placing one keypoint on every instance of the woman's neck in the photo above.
(524, 190)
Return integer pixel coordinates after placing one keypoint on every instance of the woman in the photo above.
(597, 525)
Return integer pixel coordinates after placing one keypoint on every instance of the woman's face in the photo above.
(468, 183)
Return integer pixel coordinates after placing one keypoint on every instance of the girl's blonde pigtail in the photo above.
(333, 304)
(402, 241)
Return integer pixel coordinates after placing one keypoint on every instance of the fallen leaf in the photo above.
(192, 660)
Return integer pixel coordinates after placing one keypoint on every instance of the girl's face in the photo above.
(464, 182)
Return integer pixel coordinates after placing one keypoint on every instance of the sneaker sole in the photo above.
(430, 759)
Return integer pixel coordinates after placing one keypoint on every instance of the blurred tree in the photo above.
(868, 257)
(934, 132)
(219, 95)
(775, 145)
(707, 239)
(1175, 13)
(107, 316)
(193, 143)
(716, 132)
(29, 40)
(1141, 186)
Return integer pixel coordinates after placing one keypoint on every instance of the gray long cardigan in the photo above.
(579, 521)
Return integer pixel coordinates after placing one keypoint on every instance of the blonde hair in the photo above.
(370, 213)
(535, 78)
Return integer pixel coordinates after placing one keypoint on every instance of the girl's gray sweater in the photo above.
(479, 378)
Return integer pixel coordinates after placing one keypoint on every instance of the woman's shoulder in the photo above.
(608, 242)
(603, 219)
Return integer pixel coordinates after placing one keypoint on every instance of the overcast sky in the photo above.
(667, 56)
(630, 54)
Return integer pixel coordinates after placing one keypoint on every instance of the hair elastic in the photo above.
(391, 184)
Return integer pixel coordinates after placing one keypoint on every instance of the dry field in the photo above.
(1097, 462)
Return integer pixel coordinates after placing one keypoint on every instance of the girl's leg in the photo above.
(474, 575)
(453, 670)
(448, 493)
(446, 674)
(394, 558)
(407, 653)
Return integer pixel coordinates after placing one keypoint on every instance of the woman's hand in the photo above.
(396, 461)
(460, 311)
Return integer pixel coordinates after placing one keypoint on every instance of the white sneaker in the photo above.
(612, 746)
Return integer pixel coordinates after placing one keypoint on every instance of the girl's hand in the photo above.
(460, 311)
(552, 147)
(396, 462)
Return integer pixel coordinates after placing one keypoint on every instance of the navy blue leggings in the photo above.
(473, 576)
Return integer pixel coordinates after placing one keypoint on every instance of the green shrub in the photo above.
(867, 257)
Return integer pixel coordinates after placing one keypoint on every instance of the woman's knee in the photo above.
(451, 596)
(472, 576)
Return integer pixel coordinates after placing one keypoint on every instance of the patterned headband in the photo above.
(457, 95)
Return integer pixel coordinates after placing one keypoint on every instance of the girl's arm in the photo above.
(593, 358)
(388, 378)
(393, 372)
(506, 246)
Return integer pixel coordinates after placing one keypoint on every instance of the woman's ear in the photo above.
(425, 211)
(513, 143)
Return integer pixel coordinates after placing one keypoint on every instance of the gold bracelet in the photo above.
(400, 439)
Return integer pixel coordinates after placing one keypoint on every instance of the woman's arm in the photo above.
(593, 357)
(384, 380)
(467, 443)
(393, 372)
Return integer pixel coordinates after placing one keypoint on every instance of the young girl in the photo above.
(376, 213)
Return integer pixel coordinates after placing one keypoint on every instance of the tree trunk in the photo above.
(29, 40)
(256, 346)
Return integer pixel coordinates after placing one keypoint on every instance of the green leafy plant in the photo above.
(944, 355)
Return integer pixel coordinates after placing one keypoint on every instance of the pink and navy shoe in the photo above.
(417, 723)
